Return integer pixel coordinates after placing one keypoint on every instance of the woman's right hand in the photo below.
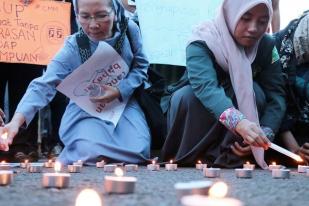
(252, 134)
(11, 129)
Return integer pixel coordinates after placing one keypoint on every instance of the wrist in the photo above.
(231, 117)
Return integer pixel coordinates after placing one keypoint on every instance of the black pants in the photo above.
(18, 77)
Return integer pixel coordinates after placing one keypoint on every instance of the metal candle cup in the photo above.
(243, 173)
(119, 184)
(24, 164)
(56, 180)
(79, 162)
(249, 166)
(100, 164)
(171, 166)
(200, 166)
(211, 172)
(4, 166)
(35, 167)
(302, 168)
(74, 168)
(281, 173)
(153, 166)
(131, 167)
(274, 166)
(49, 164)
(109, 168)
(6, 177)
(192, 188)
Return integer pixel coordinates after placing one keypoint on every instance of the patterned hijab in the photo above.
(234, 59)
(301, 40)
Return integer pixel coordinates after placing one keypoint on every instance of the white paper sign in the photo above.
(105, 66)
(166, 26)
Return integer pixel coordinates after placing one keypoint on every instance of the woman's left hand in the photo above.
(110, 94)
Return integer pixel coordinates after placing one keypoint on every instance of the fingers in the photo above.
(235, 151)
(240, 150)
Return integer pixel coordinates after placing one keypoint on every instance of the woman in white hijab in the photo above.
(234, 100)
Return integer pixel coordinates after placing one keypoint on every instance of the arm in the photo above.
(138, 66)
(275, 22)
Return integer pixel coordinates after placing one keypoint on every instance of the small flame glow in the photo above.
(88, 197)
(171, 161)
(49, 161)
(118, 172)
(273, 163)
(57, 166)
(218, 190)
(26, 161)
(199, 162)
(153, 162)
(247, 162)
(298, 158)
(3, 162)
(4, 136)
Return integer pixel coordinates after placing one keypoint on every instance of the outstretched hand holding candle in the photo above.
(8, 131)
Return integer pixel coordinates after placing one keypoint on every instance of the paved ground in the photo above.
(156, 188)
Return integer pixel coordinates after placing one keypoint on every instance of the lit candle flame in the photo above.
(118, 172)
(171, 161)
(199, 162)
(153, 162)
(57, 166)
(4, 136)
(247, 162)
(49, 161)
(3, 162)
(273, 163)
(88, 197)
(299, 159)
(218, 190)
(26, 161)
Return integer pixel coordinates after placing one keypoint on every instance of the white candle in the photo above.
(281, 173)
(131, 167)
(49, 164)
(302, 168)
(243, 173)
(79, 162)
(88, 197)
(200, 166)
(274, 166)
(57, 179)
(192, 188)
(109, 168)
(286, 152)
(119, 184)
(216, 198)
(6, 177)
(171, 166)
(153, 166)
(211, 172)
(74, 168)
(249, 166)
(24, 164)
(35, 167)
(100, 164)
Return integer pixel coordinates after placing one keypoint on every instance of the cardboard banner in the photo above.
(166, 26)
(88, 78)
(32, 33)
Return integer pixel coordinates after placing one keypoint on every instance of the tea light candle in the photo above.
(100, 164)
(281, 173)
(274, 166)
(302, 168)
(211, 172)
(79, 162)
(243, 173)
(49, 164)
(192, 188)
(4, 165)
(6, 177)
(216, 198)
(249, 166)
(119, 184)
(35, 167)
(153, 166)
(131, 167)
(24, 164)
(109, 168)
(200, 166)
(171, 166)
(74, 168)
(88, 197)
(57, 179)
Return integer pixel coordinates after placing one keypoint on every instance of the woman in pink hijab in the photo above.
(233, 100)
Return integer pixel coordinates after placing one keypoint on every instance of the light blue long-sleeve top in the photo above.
(86, 137)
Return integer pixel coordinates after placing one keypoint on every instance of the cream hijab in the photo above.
(218, 35)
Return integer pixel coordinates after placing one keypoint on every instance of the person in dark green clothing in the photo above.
(234, 99)
(293, 46)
